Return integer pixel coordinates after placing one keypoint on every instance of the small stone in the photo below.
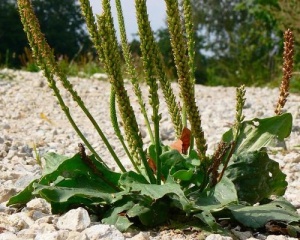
(7, 210)
(6, 126)
(39, 204)
(76, 220)
(11, 153)
(217, 237)
(20, 221)
(8, 236)
(143, 133)
(43, 228)
(140, 236)
(60, 235)
(167, 134)
(38, 83)
(26, 234)
(242, 235)
(6, 193)
(73, 235)
(103, 232)
(275, 237)
(99, 76)
(35, 215)
(24, 181)
(45, 219)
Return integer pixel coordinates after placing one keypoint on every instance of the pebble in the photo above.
(31, 122)
(75, 220)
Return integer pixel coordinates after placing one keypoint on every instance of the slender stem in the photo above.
(158, 152)
(65, 109)
(228, 157)
(114, 121)
(112, 65)
(184, 115)
(179, 49)
(131, 69)
(46, 59)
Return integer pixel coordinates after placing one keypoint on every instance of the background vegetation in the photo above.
(237, 41)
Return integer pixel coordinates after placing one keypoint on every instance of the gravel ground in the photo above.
(30, 116)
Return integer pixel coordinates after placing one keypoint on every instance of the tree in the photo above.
(242, 39)
(63, 26)
(60, 21)
(12, 38)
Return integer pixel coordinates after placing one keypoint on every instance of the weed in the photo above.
(236, 183)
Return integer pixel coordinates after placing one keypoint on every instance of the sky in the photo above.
(156, 11)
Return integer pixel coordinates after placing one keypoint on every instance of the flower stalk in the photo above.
(112, 65)
(131, 69)
(114, 121)
(287, 69)
(148, 57)
(45, 58)
(179, 49)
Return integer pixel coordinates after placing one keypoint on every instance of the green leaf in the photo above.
(69, 178)
(257, 216)
(256, 176)
(129, 178)
(207, 218)
(117, 215)
(52, 162)
(184, 175)
(172, 160)
(215, 198)
(24, 196)
(150, 214)
(63, 198)
(82, 174)
(158, 191)
(258, 133)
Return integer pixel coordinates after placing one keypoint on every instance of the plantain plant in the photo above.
(239, 182)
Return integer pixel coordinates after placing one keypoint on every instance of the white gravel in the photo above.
(30, 115)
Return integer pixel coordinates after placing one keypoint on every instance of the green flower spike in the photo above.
(112, 65)
(184, 75)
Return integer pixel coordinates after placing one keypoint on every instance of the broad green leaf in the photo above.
(92, 175)
(184, 175)
(258, 133)
(24, 196)
(138, 209)
(117, 215)
(215, 198)
(207, 218)
(129, 178)
(256, 176)
(71, 173)
(63, 198)
(156, 192)
(172, 160)
(52, 162)
(150, 214)
(257, 216)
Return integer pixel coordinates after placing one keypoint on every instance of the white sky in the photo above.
(156, 11)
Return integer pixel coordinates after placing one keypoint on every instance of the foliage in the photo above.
(66, 18)
(166, 181)
(12, 37)
(242, 36)
(61, 22)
